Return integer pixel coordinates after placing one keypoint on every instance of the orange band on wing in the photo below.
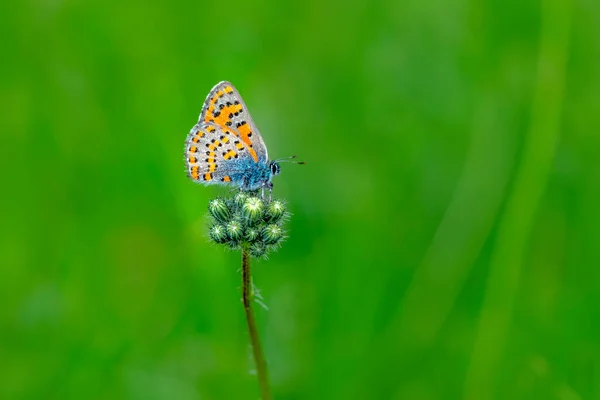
(253, 154)
(246, 140)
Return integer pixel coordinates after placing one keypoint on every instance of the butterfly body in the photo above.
(225, 146)
(254, 175)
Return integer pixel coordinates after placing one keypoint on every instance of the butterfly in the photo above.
(225, 146)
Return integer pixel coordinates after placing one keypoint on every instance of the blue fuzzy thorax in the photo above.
(250, 175)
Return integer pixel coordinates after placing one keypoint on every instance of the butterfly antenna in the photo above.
(289, 159)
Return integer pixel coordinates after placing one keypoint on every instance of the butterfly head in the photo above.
(275, 168)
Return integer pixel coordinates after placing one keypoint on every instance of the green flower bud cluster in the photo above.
(248, 220)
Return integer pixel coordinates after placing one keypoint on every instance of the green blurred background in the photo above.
(444, 242)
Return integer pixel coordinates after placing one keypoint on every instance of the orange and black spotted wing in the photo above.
(225, 108)
(211, 154)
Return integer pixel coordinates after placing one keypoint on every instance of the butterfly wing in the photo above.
(225, 108)
(213, 155)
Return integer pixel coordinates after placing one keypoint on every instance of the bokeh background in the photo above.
(444, 241)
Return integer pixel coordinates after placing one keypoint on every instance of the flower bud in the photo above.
(275, 210)
(252, 210)
(219, 210)
(258, 249)
(272, 234)
(217, 233)
(251, 235)
(234, 230)
(240, 198)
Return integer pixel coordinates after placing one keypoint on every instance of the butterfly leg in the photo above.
(269, 186)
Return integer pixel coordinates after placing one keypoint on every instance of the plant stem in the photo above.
(259, 357)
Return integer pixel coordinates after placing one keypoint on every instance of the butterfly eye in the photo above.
(275, 168)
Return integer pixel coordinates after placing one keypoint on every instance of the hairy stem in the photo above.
(257, 351)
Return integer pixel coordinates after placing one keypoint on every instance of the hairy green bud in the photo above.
(272, 234)
(275, 210)
(252, 210)
(251, 235)
(218, 234)
(234, 230)
(240, 198)
(219, 210)
(258, 249)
